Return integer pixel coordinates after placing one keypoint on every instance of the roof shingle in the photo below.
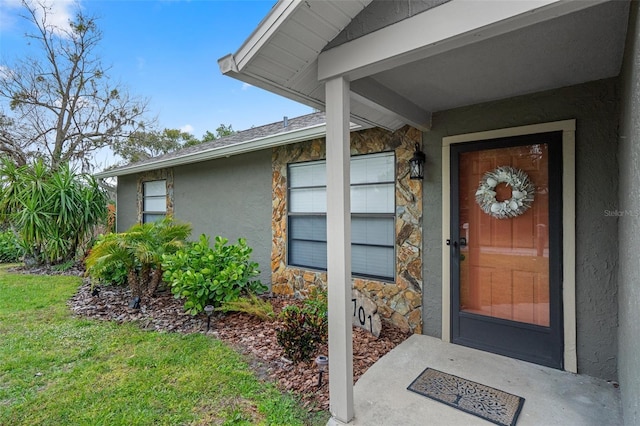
(252, 134)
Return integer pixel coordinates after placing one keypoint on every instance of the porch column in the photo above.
(339, 250)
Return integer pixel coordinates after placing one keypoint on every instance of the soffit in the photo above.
(282, 54)
(583, 46)
(282, 57)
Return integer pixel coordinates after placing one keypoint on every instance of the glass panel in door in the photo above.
(504, 262)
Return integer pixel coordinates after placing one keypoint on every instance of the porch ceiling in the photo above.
(554, 44)
(575, 48)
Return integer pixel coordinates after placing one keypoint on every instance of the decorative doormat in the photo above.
(491, 404)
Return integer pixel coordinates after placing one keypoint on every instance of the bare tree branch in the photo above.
(63, 106)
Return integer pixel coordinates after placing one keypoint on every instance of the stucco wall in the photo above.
(593, 105)
(126, 202)
(230, 197)
(628, 226)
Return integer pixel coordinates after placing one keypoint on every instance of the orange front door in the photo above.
(505, 249)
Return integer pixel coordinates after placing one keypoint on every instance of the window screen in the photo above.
(154, 200)
(372, 215)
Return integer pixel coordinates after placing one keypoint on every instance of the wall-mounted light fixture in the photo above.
(416, 164)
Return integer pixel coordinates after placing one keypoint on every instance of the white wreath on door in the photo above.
(522, 192)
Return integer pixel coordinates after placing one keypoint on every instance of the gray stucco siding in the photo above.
(594, 106)
(628, 226)
(126, 202)
(229, 197)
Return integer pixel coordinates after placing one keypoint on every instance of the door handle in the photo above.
(454, 243)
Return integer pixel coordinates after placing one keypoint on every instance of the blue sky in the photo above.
(167, 51)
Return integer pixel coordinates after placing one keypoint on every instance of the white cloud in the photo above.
(62, 11)
(59, 12)
(8, 15)
(246, 86)
(11, 4)
(188, 128)
(5, 72)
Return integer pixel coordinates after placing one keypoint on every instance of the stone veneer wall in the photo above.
(161, 174)
(398, 302)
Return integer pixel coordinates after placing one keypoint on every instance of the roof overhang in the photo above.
(284, 138)
(458, 53)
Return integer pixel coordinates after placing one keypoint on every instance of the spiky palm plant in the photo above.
(9, 187)
(140, 251)
(54, 212)
(109, 255)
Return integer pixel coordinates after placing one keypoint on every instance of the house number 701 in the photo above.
(361, 316)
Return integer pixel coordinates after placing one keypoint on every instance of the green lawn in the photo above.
(60, 370)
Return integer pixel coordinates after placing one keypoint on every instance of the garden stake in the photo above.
(321, 362)
(208, 310)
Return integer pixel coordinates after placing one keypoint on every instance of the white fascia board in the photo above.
(249, 78)
(301, 135)
(227, 68)
(446, 27)
(278, 14)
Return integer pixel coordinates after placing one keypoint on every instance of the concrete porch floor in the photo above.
(552, 397)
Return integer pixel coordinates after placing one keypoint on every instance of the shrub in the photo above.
(210, 276)
(317, 306)
(304, 328)
(10, 249)
(105, 262)
(135, 256)
(64, 267)
(251, 305)
(54, 211)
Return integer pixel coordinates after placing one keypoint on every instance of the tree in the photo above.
(63, 105)
(222, 131)
(140, 146)
(53, 212)
(149, 144)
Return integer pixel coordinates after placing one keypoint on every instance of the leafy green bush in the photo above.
(10, 249)
(296, 338)
(210, 276)
(135, 256)
(304, 328)
(317, 306)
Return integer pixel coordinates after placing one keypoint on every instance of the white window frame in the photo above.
(145, 197)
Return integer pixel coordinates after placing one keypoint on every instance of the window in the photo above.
(372, 215)
(154, 200)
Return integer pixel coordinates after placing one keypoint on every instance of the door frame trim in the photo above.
(568, 129)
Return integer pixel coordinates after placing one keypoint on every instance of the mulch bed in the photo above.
(255, 338)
